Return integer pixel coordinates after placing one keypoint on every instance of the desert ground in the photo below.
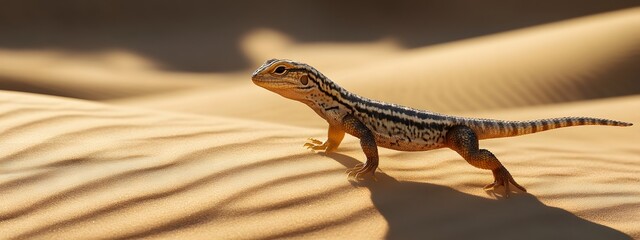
(115, 142)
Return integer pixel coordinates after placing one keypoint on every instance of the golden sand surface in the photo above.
(107, 145)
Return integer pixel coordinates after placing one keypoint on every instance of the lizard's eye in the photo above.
(279, 70)
(304, 79)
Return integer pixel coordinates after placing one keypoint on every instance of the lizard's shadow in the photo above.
(415, 210)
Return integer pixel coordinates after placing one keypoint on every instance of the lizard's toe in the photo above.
(489, 186)
(315, 144)
(360, 170)
(354, 169)
(502, 177)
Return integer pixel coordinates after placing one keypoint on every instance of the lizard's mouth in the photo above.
(257, 80)
(270, 83)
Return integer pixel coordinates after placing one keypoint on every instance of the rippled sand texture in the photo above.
(133, 152)
(76, 169)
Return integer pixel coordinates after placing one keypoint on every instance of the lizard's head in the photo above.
(285, 77)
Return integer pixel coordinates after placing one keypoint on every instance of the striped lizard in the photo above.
(398, 127)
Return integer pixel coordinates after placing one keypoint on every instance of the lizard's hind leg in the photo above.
(463, 140)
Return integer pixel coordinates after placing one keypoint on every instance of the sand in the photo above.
(108, 145)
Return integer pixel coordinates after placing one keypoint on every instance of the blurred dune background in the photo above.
(133, 119)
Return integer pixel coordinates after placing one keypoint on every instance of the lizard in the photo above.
(388, 125)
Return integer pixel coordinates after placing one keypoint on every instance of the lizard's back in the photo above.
(403, 128)
(409, 129)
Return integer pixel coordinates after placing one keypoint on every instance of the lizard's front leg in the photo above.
(335, 136)
(356, 128)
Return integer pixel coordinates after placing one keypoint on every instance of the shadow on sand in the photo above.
(417, 210)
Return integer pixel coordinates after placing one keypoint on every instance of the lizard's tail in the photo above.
(487, 128)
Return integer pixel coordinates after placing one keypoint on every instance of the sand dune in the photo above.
(103, 76)
(587, 58)
(134, 150)
(75, 169)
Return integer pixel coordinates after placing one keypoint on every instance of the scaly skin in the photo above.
(398, 127)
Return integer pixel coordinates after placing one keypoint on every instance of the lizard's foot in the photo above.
(360, 170)
(503, 178)
(316, 144)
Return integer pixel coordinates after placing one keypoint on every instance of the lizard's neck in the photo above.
(329, 100)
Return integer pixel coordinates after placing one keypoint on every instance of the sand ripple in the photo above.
(73, 169)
